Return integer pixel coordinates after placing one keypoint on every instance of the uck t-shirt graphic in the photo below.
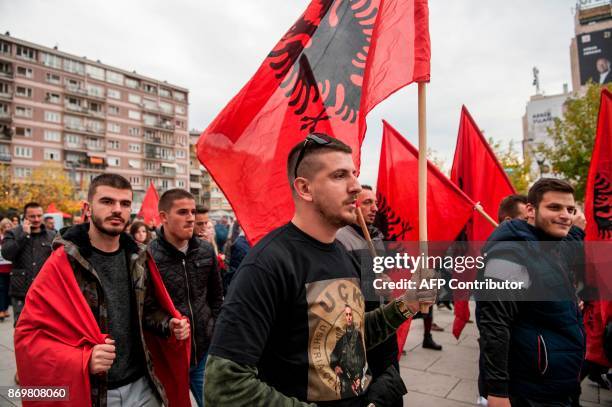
(336, 347)
(295, 311)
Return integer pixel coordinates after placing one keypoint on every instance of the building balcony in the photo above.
(96, 131)
(158, 140)
(158, 157)
(6, 96)
(5, 117)
(86, 163)
(82, 92)
(84, 111)
(163, 125)
(5, 157)
(7, 76)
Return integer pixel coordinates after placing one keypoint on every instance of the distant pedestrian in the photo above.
(5, 269)
(140, 232)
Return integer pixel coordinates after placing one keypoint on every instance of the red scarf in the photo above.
(57, 331)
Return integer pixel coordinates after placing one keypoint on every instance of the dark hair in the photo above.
(167, 199)
(108, 180)
(366, 186)
(544, 185)
(509, 207)
(309, 166)
(48, 217)
(201, 210)
(137, 225)
(30, 205)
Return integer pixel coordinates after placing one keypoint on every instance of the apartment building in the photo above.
(199, 178)
(91, 118)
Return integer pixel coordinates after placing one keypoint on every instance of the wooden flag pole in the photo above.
(366, 232)
(485, 215)
(423, 176)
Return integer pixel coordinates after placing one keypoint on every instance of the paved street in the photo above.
(440, 379)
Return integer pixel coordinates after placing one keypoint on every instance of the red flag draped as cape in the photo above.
(148, 210)
(598, 212)
(448, 209)
(57, 332)
(478, 173)
(328, 71)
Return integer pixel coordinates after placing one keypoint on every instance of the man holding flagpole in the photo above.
(285, 310)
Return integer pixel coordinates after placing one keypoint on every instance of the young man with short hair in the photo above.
(85, 317)
(285, 309)
(201, 219)
(532, 341)
(188, 267)
(512, 207)
(27, 246)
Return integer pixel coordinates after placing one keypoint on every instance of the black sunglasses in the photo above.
(318, 138)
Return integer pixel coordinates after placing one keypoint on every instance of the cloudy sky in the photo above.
(482, 54)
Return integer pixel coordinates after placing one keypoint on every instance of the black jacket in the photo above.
(194, 284)
(531, 347)
(28, 253)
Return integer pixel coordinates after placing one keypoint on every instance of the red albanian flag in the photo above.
(598, 212)
(448, 209)
(57, 331)
(339, 59)
(478, 173)
(148, 209)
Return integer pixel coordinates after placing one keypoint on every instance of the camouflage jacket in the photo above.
(78, 248)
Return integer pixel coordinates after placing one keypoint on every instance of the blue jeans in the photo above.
(196, 381)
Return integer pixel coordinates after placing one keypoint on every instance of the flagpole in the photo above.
(485, 215)
(423, 176)
(366, 232)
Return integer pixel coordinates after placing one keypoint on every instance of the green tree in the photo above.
(48, 183)
(515, 167)
(573, 137)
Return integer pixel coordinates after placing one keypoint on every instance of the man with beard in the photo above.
(348, 359)
(353, 239)
(82, 326)
(28, 246)
(285, 305)
(532, 340)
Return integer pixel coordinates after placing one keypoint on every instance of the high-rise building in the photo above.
(199, 178)
(203, 187)
(91, 118)
(590, 56)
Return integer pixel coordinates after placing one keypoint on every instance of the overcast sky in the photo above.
(482, 55)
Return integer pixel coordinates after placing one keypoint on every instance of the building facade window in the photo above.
(23, 131)
(23, 152)
(114, 127)
(52, 135)
(23, 172)
(113, 144)
(133, 114)
(23, 111)
(51, 60)
(52, 154)
(23, 92)
(53, 78)
(132, 98)
(25, 72)
(113, 93)
(53, 117)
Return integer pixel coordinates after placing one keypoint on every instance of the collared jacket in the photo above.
(532, 346)
(28, 253)
(78, 248)
(194, 283)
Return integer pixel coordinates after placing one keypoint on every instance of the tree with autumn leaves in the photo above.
(48, 183)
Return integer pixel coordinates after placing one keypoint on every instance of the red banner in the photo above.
(148, 209)
(478, 173)
(598, 212)
(328, 71)
(448, 209)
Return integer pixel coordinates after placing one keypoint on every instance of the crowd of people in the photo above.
(293, 321)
